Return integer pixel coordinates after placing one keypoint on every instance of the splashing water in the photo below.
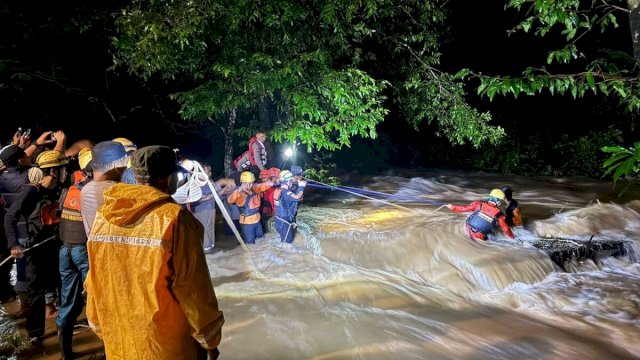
(366, 281)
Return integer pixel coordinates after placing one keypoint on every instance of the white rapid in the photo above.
(363, 280)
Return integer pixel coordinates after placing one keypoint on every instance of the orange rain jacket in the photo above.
(149, 293)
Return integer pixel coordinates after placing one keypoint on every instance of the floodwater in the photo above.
(365, 280)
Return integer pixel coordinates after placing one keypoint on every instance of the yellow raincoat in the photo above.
(149, 293)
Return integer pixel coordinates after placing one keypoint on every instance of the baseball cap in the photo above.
(154, 161)
(107, 151)
(11, 153)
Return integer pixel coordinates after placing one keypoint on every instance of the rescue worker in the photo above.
(512, 211)
(108, 162)
(286, 204)
(247, 197)
(484, 217)
(255, 158)
(204, 209)
(267, 207)
(227, 186)
(74, 261)
(149, 291)
(37, 203)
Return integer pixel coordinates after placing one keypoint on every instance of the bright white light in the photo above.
(288, 153)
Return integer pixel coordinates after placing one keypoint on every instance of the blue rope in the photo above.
(372, 193)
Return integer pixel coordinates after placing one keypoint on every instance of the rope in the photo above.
(10, 257)
(366, 197)
(197, 175)
(367, 194)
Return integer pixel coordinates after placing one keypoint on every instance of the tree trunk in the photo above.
(228, 144)
(266, 125)
(634, 25)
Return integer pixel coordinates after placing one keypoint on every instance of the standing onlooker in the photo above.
(16, 165)
(36, 203)
(74, 261)
(127, 175)
(149, 292)
(108, 161)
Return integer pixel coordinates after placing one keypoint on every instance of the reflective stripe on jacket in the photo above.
(149, 294)
(71, 226)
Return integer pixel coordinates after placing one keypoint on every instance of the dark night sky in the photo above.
(84, 102)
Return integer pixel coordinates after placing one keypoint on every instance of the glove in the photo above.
(302, 183)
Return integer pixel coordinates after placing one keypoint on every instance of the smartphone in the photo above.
(53, 137)
(27, 133)
(19, 132)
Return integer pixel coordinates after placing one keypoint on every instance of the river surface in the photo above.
(366, 280)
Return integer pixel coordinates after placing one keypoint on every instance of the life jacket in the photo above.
(250, 208)
(484, 218)
(284, 211)
(267, 203)
(263, 151)
(71, 226)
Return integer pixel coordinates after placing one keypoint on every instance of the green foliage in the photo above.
(355, 108)
(556, 155)
(613, 74)
(622, 161)
(319, 62)
(441, 98)
(320, 168)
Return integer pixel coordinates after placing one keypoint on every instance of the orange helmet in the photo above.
(274, 172)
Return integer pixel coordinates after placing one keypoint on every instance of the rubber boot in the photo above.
(65, 337)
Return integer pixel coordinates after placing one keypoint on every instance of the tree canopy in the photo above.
(582, 64)
(324, 64)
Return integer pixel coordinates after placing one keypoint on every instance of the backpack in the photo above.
(44, 221)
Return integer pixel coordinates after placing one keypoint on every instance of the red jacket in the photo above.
(489, 211)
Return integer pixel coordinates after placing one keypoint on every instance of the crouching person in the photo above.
(149, 292)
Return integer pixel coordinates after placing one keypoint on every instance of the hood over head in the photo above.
(124, 204)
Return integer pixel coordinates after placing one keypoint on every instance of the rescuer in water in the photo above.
(486, 214)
